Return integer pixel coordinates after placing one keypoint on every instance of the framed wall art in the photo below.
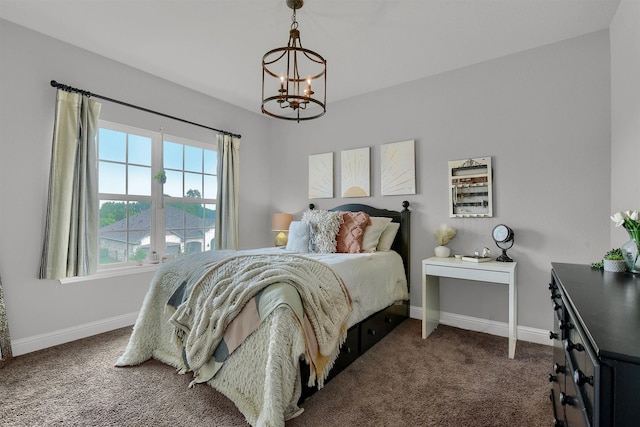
(355, 174)
(321, 176)
(398, 168)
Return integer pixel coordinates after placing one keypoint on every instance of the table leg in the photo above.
(513, 316)
(430, 304)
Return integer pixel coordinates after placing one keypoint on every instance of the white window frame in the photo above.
(157, 226)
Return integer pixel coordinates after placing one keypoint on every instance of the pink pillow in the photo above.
(349, 238)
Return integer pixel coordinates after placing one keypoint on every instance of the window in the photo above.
(156, 195)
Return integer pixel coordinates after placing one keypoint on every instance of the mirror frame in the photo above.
(5, 340)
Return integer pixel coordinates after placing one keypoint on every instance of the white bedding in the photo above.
(374, 281)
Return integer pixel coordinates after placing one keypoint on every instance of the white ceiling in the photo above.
(216, 46)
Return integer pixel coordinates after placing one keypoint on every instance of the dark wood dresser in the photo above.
(596, 368)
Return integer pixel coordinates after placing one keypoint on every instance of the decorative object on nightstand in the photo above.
(280, 223)
(503, 236)
(443, 235)
(630, 220)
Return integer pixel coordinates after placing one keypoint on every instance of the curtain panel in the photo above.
(228, 182)
(71, 243)
(5, 339)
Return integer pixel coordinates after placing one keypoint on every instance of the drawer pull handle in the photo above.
(559, 369)
(388, 320)
(565, 399)
(581, 379)
(564, 325)
(372, 332)
(556, 306)
(569, 346)
(346, 350)
(552, 335)
(553, 378)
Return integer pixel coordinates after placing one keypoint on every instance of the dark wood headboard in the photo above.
(401, 244)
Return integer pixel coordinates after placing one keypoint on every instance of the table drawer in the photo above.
(468, 274)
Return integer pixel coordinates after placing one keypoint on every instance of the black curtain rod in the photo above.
(95, 95)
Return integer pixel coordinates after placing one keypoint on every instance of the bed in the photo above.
(272, 350)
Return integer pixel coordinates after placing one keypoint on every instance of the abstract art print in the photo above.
(397, 168)
(321, 176)
(355, 173)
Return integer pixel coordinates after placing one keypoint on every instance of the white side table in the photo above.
(492, 271)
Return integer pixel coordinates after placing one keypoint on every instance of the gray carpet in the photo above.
(454, 378)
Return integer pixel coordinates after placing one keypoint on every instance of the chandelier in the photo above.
(294, 79)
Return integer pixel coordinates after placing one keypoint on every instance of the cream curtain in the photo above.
(70, 241)
(228, 181)
(5, 340)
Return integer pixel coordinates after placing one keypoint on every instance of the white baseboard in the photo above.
(50, 339)
(501, 329)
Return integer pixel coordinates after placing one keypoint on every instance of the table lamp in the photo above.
(280, 223)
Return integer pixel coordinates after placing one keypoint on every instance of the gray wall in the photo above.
(625, 113)
(29, 61)
(544, 117)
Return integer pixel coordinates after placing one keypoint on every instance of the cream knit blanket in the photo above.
(220, 294)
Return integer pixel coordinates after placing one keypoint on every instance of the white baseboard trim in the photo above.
(50, 339)
(501, 329)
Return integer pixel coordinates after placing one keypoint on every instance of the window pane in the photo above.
(140, 217)
(140, 150)
(124, 231)
(192, 159)
(174, 215)
(173, 186)
(111, 178)
(140, 180)
(193, 185)
(210, 161)
(210, 187)
(172, 155)
(112, 145)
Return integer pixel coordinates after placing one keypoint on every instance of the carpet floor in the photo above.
(453, 378)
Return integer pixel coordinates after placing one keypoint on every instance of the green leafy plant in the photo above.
(613, 254)
(161, 177)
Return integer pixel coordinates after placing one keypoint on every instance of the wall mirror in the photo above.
(5, 341)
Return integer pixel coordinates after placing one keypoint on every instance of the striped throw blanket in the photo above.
(206, 306)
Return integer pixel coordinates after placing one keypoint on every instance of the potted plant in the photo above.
(443, 235)
(613, 261)
(161, 177)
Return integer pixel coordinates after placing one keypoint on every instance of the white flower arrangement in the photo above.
(444, 234)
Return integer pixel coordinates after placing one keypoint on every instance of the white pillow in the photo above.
(388, 236)
(372, 233)
(324, 229)
(299, 236)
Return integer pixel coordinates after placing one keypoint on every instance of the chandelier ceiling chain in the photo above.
(292, 97)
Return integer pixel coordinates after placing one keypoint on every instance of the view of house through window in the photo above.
(157, 193)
